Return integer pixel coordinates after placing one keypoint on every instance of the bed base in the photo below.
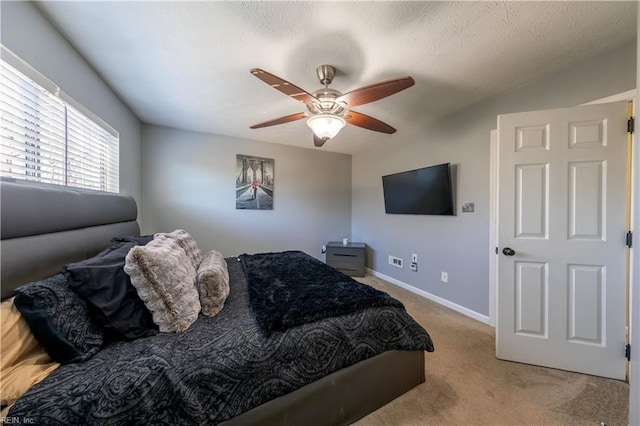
(343, 397)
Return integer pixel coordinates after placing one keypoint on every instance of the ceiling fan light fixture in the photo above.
(326, 126)
(327, 108)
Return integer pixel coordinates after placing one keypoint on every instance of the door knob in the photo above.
(508, 251)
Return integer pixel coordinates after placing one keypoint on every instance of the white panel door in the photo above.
(562, 218)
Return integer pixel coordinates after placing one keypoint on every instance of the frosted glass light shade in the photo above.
(326, 126)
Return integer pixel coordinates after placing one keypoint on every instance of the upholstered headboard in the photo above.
(43, 227)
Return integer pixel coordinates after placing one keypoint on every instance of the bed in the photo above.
(227, 369)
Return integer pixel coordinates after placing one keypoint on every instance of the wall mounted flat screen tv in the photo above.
(426, 191)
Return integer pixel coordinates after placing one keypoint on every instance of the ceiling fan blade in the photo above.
(318, 142)
(367, 122)
(376, 91)
(281, 120)
(284, 86)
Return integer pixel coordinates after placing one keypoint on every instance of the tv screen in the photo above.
(425, 191)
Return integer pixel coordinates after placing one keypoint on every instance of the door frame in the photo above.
(493, 226)
(634, 364)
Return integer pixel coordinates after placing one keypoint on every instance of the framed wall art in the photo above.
(254, 183)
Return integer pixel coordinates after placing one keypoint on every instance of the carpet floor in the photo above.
(467, 385)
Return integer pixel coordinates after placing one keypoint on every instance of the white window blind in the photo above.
(92, 154)
(44, 139)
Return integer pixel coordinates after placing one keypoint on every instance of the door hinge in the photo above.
(630, 125)
(496, 250)
(629, 239)
(627, 351)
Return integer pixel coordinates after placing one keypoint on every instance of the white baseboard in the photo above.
(439, 300)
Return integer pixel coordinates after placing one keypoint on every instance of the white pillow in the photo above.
(164, 278)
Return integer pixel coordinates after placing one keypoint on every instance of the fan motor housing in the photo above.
(327, 102)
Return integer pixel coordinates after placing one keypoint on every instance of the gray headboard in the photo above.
(43, 227)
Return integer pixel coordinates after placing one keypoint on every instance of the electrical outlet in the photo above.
(444, 277)
(414, 258)
(395, 261)
(324, 249)
(414, 266)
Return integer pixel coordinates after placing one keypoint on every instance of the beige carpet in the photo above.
(467, 385)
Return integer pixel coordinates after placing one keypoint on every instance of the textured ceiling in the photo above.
(186, 64)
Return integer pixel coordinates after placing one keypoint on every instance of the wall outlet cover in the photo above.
(444, 277)
(414, 258)
(468, 207)
(395, 261)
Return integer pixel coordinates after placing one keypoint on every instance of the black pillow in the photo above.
(59, 319)
(142, 240)
(112, 299)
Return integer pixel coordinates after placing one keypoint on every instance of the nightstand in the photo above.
(347, 259)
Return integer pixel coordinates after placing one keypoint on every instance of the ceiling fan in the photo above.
(328, 109)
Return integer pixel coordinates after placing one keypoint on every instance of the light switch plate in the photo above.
(468, 207)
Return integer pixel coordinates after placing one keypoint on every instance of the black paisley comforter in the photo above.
(217, 369)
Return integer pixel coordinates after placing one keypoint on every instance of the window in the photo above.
(48, 139)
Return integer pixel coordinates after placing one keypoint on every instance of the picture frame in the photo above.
(254, 182)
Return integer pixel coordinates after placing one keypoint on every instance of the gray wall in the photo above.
(459, 245)
(189, 183)
(30, 36)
